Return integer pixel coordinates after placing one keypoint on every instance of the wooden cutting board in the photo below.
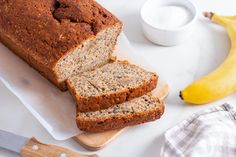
(96, 141)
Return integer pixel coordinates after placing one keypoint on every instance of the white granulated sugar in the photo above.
(169, 17)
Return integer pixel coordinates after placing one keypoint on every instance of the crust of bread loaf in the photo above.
(20, 52)
(43, 58)
(119, 122)
(94, 103)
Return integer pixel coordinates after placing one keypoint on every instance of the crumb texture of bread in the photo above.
(59, 37)
(136, 111)
(110, 84)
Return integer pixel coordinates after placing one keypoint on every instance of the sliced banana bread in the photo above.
(109, 85)
(136, 111)
(59, 38)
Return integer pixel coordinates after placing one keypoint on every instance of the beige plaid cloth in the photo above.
(209, 133)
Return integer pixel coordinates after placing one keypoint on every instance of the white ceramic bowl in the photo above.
(162, 36)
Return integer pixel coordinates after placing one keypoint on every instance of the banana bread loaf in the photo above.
(136, 111)
(59, 38)
(110, 84)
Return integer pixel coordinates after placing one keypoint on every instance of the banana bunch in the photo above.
(222, 81)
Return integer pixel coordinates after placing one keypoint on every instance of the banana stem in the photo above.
(222, 20)
(208, 14)
(226, 21)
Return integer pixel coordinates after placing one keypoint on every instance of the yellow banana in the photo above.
(222, 81)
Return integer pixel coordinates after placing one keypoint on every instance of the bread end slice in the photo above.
(136, 111)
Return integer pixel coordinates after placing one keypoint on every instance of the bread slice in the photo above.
(59, 38)
(136, 111)
(109, 85)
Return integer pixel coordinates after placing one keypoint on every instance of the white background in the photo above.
(178, 65)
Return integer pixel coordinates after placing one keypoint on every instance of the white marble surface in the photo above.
(178, 65)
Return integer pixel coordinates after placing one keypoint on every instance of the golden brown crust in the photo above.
(106, 124)
(18, 49)
(86, 104)
(42, 32)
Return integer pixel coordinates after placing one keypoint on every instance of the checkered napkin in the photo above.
(209, 133)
